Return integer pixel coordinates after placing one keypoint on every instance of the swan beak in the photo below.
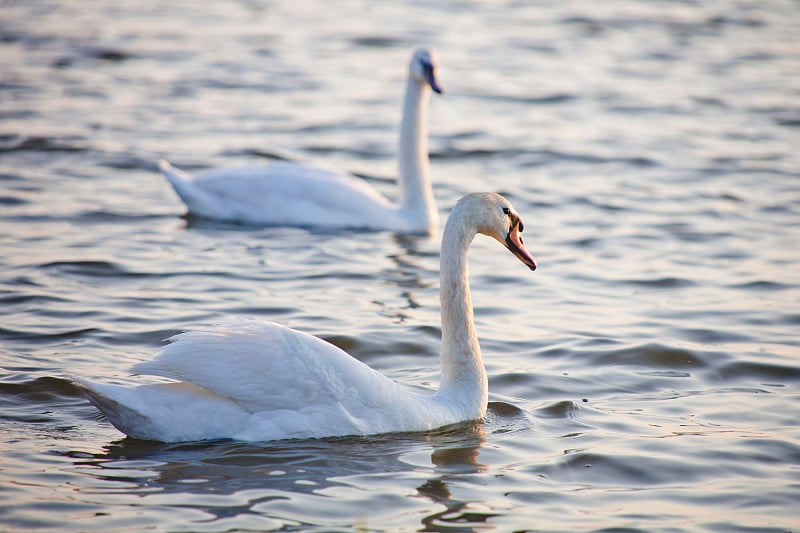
(516, 246)
(430, 77)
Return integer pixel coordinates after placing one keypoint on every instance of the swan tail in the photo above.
(166, 412)
(197, 201)
(124, 418)
(177, 178)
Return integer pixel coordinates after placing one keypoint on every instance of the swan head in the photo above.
(493, 215)
(424, 69)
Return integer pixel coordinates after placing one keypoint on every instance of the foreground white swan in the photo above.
(293, 194)
(255, 380)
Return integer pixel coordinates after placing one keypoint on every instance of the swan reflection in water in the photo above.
(291, 479)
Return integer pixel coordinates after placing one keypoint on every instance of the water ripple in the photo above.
(16, 143)
(642, 379)
(652, 355)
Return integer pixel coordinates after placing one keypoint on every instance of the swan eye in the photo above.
(505, 210)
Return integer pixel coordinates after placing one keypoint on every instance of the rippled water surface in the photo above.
(644, 378)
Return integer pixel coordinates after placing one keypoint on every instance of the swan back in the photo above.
(264, 366)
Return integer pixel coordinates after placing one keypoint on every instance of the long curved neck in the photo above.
(416, 193)
(463, 373)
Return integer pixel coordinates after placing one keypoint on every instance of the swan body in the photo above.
(294, 194)
(253, 380)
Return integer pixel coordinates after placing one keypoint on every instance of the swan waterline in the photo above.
(259, 381)
(297, 194)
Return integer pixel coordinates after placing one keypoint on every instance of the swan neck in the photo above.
(416, 194)
(463, 373)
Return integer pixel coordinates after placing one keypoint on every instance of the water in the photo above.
(644, 378)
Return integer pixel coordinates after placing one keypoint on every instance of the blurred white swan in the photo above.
(294, 194)
(253, 380)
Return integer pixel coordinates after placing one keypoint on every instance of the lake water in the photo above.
(644, 378)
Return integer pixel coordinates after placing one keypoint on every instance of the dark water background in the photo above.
(644, 378)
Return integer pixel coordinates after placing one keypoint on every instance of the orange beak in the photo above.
(516, 246)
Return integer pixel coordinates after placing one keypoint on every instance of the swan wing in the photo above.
(264, 366)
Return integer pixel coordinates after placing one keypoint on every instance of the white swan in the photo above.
(253, 380)
(293, 194)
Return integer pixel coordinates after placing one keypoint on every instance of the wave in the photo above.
(41, 143)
